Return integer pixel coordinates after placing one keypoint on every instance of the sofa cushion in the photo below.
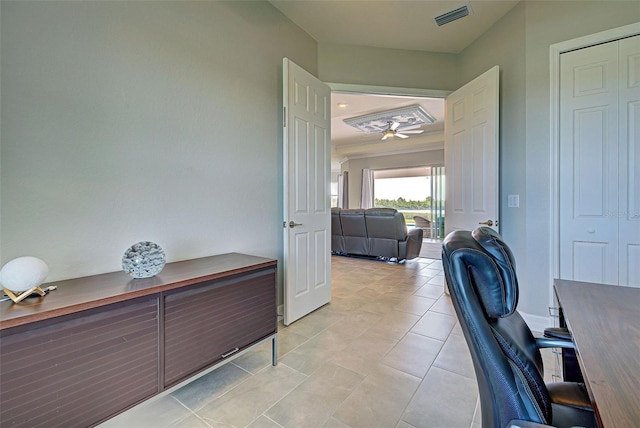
(354, 230)
(337, 238)
(385, 223)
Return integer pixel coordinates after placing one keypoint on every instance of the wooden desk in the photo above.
(605, 323)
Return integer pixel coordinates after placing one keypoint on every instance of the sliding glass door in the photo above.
(437, 201)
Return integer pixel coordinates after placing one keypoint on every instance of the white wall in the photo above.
(128, 121)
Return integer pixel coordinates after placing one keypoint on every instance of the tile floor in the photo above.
(386, 352)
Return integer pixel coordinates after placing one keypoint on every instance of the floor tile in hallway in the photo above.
(386, 352)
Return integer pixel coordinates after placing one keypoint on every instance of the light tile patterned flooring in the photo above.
(386, 352)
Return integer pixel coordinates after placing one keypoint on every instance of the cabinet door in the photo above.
(80, 370)
(209, 322)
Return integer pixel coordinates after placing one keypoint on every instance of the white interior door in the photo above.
(599, 158)
(471, 154)
(589, 164)
(629, 204)
(307, 169)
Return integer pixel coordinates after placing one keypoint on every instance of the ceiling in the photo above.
(348, 142)
(397, 24)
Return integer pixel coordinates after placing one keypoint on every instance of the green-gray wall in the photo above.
(123, 121)
(129, 121)
(519, 43)
(386, 67)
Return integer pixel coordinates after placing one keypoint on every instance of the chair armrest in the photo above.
(549, 342)
(516, 423)
(557, 333)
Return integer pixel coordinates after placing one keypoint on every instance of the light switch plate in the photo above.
(513, 201)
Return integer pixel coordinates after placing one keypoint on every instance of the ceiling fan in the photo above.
(394, 131)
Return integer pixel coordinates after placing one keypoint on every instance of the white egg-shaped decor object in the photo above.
(23, 273)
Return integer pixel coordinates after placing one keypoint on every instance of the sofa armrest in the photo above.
(416, 233)
(413, 244)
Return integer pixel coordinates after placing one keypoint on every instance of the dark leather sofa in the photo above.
(374, 232)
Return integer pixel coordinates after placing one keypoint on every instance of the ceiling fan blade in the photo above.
(394, 126)
(401, 135)
(406, 128)
(412, 132)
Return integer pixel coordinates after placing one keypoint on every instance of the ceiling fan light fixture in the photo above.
(380, 121)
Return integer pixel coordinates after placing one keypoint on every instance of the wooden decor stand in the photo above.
(16, 297)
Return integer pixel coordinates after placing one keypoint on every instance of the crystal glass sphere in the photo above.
(143, 259)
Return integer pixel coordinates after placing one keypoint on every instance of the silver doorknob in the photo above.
(488, 223)
(293, 224)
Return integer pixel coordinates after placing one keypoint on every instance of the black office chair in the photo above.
(480, 272)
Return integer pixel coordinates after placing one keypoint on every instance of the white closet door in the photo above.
(599, 159)
(589, 164)
(629, 207)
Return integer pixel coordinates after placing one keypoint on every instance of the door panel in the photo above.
(471, 154)
(599, 158)
(588, 164)
(629, 208)
(590, 262)
(307, 262)
(479, 185)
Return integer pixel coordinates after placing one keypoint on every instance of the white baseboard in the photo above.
(537, 322)
(280, 310)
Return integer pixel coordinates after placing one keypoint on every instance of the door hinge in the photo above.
(284, 117)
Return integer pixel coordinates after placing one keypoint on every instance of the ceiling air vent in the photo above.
(458, 13)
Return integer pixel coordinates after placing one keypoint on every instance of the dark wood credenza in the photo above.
(99, 345)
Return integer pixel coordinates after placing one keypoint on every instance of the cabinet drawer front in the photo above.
(79, 371)
(205, 323)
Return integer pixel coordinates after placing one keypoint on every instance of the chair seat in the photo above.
(572, 417)
(571, 394)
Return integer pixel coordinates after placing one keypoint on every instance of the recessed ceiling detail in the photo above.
(379, 122)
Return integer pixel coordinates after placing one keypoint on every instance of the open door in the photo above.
(307, 169)
(471, 154)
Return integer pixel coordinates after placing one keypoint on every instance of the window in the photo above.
(413, 191)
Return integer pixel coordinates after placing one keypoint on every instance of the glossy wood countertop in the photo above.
(605, 323)
(90, 292)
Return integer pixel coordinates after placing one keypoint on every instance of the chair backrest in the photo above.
(480, 272)
(421, 221)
